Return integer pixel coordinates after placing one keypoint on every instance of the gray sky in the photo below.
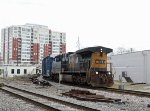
(109, 23)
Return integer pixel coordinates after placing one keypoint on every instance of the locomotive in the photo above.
(85, 66)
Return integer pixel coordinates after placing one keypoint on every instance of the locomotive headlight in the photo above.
(101, 50)
(109, 72)
(96, 72)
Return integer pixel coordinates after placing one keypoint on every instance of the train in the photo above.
(88, 66)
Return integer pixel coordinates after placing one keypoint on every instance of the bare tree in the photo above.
(131, 50)
(122, 50)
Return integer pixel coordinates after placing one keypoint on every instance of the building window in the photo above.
(23, 29)
(18, 71)
(15, 28)
(12, 71)
(25, 71)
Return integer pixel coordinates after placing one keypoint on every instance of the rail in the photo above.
(30, 100)
(131, 92)
(72, 105)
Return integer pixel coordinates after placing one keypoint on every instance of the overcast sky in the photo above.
(109, 23)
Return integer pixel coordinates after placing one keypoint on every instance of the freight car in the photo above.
(85, 66)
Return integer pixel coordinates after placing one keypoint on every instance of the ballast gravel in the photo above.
(10, 103)
(129, 102)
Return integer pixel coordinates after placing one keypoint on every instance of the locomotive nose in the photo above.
(99, 79)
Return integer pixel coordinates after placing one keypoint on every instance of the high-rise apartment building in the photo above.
(30, 43)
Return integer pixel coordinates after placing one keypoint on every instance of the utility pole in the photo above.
(78, 43)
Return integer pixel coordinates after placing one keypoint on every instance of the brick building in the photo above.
(30, 43)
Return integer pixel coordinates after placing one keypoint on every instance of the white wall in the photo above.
(147, 66)
(136, 65)
(8, 73)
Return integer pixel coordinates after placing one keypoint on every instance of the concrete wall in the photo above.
(136, 65)
(147, 66)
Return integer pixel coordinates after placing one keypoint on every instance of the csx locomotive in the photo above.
(86, 66)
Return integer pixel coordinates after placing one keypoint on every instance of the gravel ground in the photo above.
(130, 103)
(9, 103)
(131, 86)
(42, 100)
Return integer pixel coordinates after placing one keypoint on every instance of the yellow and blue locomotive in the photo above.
(86, 66)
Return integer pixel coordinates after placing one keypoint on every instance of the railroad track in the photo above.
(48, 103)
(120, 91)
(131, 92)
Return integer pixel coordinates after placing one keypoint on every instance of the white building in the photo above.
(135, 65)
(30, 43)
(11, 71)
(58, 42)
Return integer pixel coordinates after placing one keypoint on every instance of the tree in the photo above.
(122, 50)
(131, 50)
